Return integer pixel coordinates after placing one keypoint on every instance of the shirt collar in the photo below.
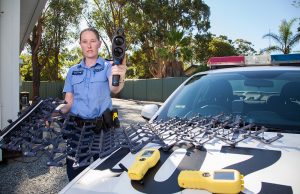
(99, 63)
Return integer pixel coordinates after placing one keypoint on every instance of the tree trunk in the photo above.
(56, 61)
(36, 77)
(172, 69)
(35, 45)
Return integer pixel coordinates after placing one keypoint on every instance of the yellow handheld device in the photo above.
(145, 160)
(220, 181)
(115, 115)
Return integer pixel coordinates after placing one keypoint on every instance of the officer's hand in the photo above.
(54, 115)
(120, 70)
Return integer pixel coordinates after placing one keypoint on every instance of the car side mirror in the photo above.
(149, 110)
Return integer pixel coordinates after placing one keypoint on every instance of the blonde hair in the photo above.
(91, 30)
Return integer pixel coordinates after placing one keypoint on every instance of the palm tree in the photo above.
(172, 55)
(285, 40)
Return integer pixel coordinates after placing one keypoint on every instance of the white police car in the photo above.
(267, 96)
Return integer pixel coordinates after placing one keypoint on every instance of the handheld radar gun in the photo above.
(118, 52)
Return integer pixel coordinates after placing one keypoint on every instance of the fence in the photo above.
(47, 89)
(150, 89)
(137, 89)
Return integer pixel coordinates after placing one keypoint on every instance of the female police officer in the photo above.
(88, 85)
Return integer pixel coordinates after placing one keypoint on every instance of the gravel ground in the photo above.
(26, 175)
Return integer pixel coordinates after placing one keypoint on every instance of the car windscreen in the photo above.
(268, 98)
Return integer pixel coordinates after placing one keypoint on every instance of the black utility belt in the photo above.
(87, 122)
(76, 118)
(108, 119)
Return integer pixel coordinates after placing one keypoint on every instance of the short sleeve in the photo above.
(68, 82)
(108, 72)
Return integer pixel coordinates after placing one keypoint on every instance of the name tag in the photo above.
(77, 72)
(98, 70)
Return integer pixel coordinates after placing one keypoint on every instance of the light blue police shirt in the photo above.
(90, 88)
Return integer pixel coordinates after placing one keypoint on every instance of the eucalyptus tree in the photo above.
(285, 40)
(152, 24)
(35, 47)
(106, 16)
(221, 46)
(149, 25)
(50, 35)
(244, 47)
(200, 47)
(211, 45)
(61, 28)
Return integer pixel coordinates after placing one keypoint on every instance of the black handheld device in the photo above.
(118, 52)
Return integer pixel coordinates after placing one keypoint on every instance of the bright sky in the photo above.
(251, 19)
